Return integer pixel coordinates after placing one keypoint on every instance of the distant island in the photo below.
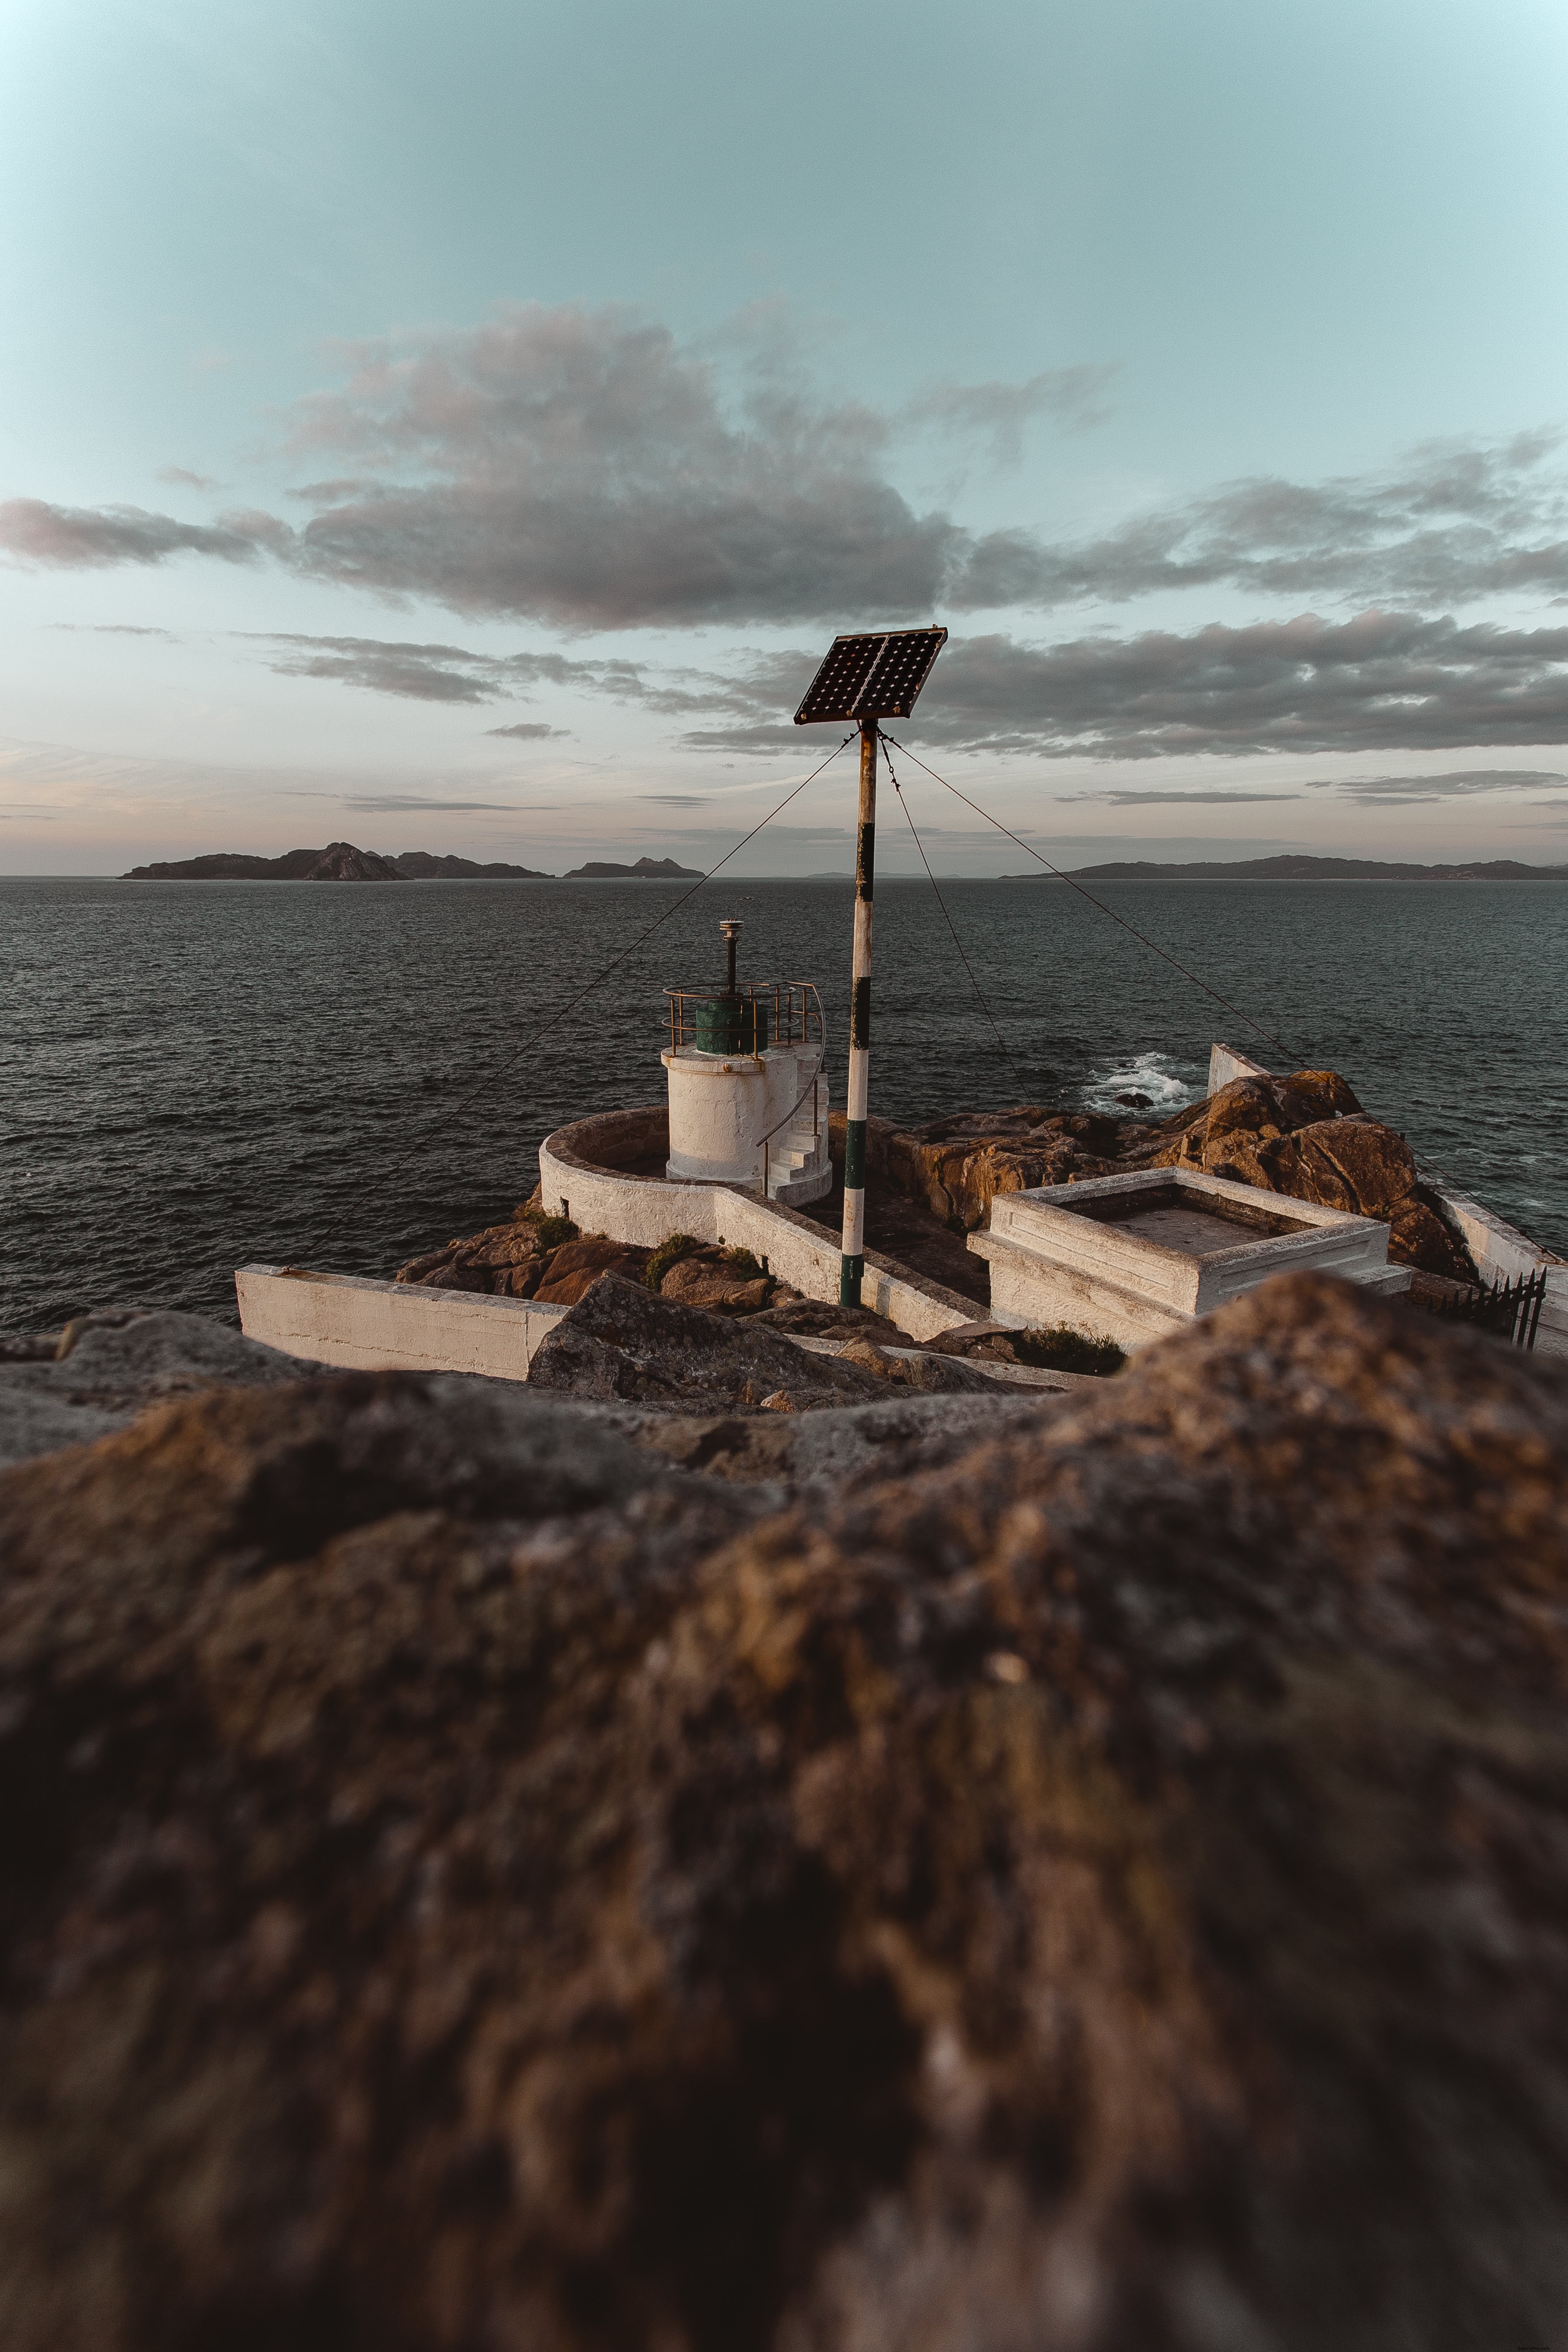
(339, 862)
(646, 869)
(1305, 869)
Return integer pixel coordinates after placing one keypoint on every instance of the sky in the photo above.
(465, 429)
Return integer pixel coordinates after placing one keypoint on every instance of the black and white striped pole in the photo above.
(852, 1260)
(865, 679)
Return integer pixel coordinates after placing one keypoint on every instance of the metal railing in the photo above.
(793, 1006)
(1511, 1310)
(812, 1084)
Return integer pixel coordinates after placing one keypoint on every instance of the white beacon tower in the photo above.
(748, 1101)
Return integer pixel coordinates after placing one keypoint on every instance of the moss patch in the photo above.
(1063, 1349)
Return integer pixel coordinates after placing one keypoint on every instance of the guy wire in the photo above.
(493, 1077)
(1141, 935)
(947, 918)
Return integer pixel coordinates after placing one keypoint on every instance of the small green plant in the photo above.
(1063, 1349)
(552, 1231)
(670, 1251)
(740, 1261)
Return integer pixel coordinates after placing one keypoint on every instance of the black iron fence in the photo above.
(1511, 1310)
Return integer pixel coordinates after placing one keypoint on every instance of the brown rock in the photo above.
(1300, 1166)
(1372, 1161)
(624, 1342)
(1246, 1106)
(1308, 1096)
(454, 1276)
(820, 1319)
(575, 1267)
(704, 1281)
(486, 1261)
(464, 1888)
(930, 1375)
(1418, 1237)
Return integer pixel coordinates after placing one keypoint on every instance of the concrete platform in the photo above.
(1138, 1256)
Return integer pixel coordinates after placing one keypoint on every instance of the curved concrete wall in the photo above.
(579, 1177)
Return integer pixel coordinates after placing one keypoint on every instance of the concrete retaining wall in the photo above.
(1225, 1064)
(373, 1327)
(607, 1198)
(1503, 1254)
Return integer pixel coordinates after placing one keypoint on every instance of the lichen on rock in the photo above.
(468, 1884)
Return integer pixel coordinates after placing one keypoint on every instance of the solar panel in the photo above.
(875, 677)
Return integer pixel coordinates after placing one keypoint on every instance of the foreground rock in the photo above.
(532, 1256)
(468, 1886)
(624, 1342)
(71, 1387)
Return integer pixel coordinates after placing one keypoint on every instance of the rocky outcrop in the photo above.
(1304, 1134)
(527, 1257)
(646, 869)
(532, 1256)
(955, 1166)
(339, 862)
(419, 865)
(467, 1883)
(812, 1456)
(70, 1387)
(624, 1342)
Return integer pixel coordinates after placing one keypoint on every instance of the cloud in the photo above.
(109, 629)
(1383, 680)
(998, 412)
(392, 804)
(441, 672)
(74, 537)
(1458, 783)
(1457, 522)
(1146, 800)
(675, 800)
(1388, 681)
(183, 479)
(582, 469)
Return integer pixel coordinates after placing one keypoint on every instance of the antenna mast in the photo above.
(865, 678)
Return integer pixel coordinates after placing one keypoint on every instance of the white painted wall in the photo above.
(1225, 1064)
(722, 1107)
(1052, 1264)
(646, 1211)
(1503, 1254)
(364, 1326)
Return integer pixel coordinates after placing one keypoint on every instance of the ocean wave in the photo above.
(1164, 1082)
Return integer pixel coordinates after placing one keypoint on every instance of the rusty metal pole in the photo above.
(852, 1260)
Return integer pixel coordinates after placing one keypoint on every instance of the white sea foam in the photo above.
(1165, 1083)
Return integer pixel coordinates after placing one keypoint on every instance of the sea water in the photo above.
(199, 1075)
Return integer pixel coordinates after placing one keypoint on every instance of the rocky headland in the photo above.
(646, 869)
(1292, 867)
(342, 862)
(339, 862)
(557, 1870)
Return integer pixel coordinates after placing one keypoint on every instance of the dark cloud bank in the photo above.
(583, 469)
(1388, 681)
(580, 469)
